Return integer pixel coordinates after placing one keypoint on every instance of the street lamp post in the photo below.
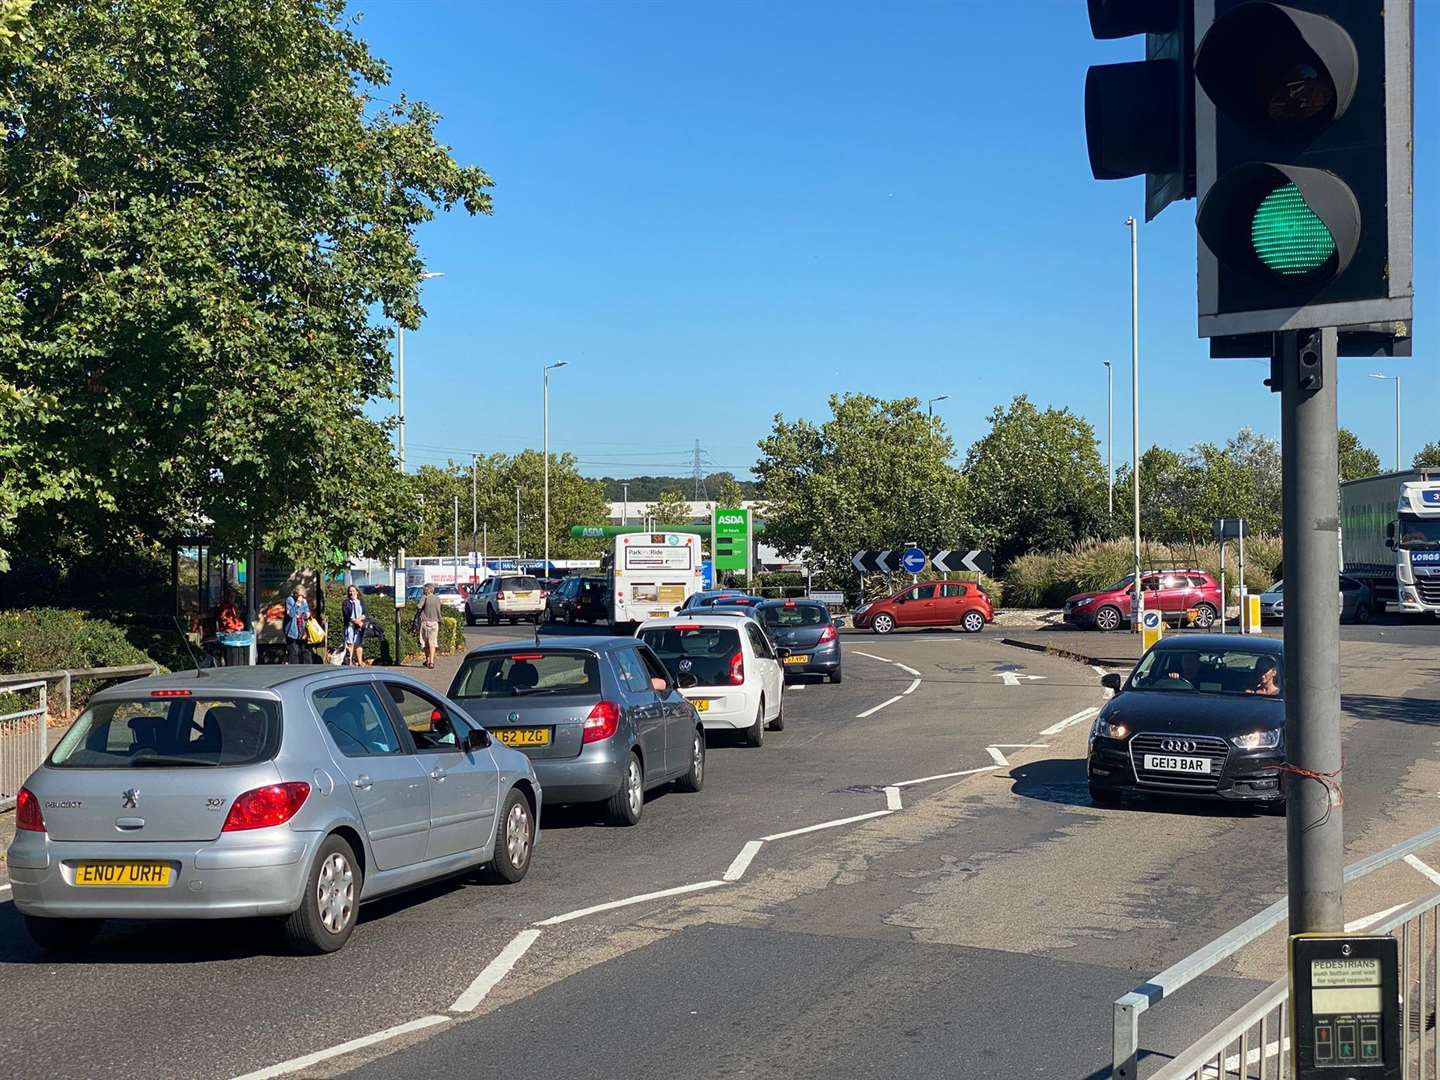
(1138, 605)
(474, 519)
(930, 403)
(546, 410)
(1396, 380)
(400, 453)
(1110, 434)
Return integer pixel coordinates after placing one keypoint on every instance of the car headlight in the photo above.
(1258, 740)
(1086, 600)
(1104, 729)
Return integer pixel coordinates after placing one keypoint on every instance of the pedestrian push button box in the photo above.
(1345, 1013)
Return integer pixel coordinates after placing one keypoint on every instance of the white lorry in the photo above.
(1390, 538)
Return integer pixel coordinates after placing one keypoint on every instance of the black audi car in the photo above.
(1199, 716)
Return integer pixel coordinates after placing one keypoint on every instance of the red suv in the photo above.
(935, 603)
(1171, 592)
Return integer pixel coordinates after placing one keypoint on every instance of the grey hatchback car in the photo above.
(600, 718)
(294, 792)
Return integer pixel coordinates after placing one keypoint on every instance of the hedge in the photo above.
(45, 639)
(1045, 580)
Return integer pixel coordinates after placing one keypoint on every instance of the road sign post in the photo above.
(1152, 628)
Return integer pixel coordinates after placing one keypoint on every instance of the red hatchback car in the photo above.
(1171, 592)
(935, 603)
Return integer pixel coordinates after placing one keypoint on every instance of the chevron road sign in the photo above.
(976, 562)
(876, 562)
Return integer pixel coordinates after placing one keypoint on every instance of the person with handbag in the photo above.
(352, 614)
(297, 614)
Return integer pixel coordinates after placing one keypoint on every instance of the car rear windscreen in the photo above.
(799, 615)
(702, 652)
(519, 584)
(171, 731)
(528, 674)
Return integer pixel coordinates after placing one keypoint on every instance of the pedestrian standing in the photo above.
(352, 614)
(427, 623)
(297, 614)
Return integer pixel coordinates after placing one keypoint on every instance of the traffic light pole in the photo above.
(1310, 454)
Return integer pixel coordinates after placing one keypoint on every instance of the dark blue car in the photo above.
(806, 629)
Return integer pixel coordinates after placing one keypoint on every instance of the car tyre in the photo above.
(694, 780)
(1108, 618)
(326, 916)
(973, 622)
(1205, 616)
(1362, 613)
(778, 724)
(492, 617)
(514, 840)
(834, 677)
(628, 802)
(1102, 796)
(755, 733)
(62, 935)
(469, 619)
(882, 623)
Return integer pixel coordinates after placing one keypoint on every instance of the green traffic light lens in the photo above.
(1288, 236)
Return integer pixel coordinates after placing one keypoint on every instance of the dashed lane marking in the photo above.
(826, 825)
(892, 798)
(1001, 761)
(872, 656)
(945, 776)
(877, 708)
(494, 971)
(742, 861)
(296, 1064)
(1424, 868)
(680, 890)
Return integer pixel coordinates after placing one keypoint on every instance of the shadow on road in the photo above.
(1399, 710)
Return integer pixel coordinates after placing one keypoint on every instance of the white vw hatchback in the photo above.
(727, 668)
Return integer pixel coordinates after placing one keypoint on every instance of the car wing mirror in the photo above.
(782, 652)
(685, 680)
(1111, 681)
(477, 739)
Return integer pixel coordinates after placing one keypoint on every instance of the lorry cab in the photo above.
(1414, 536)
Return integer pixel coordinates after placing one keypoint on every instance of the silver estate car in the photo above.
(295, 792)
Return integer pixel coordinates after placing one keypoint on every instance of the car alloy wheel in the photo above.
(517, 834)
(335, 892)
(883, 624)
(1107, 618)
(974, 622)
(1204, 616)
(634, 786)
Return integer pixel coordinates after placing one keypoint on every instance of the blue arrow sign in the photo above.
(913, 561)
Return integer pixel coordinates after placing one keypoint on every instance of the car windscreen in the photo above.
(171, 731)
(1210, 671)
(445, 590)
(701, 652)
(1126, 582)
(798, 615)
(519, 584)
(1418, 533)
(528, 674)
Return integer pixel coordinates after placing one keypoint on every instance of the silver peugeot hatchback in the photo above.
(295, 792)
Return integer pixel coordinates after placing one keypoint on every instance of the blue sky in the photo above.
(716, 213)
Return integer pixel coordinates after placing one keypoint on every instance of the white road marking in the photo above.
(906, 668)
(4, 889)
(1097, 670)
(998, 757)
(872, 656)
(826, 825)
(494, 971)
(877, 708)
(1059, 726)
(742, 861)
(795, 688)
(944, 776)
(914, 685)
(1424, 868)
(680, 890)
(296, 1064)
(1011, 678)
(1361, 923)
(892, 798)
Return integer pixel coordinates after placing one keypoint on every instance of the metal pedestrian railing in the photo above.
(1253, 1043)
(25, 733)
(1129, 1008)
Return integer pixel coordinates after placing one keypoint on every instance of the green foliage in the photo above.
(1036, 481)
(1356, 460)
(48, 639)
(219, 200)
(671, 508)
(382, 609)
(646, 489)
(875, 475)
(725, 490)
(1428, 457)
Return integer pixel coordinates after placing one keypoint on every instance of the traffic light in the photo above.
(1303, 161)
(1140, 116)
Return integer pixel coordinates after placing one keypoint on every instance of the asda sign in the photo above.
(732, 539)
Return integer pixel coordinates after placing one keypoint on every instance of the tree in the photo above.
(1356, 460)
(1428, 457)
(1036, 481)
(217, 206)
(1258, 455)
(672, 508)
(875, 475)
(726, 490)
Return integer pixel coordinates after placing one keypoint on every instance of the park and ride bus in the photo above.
(652, 574)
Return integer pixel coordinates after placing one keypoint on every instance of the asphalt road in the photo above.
(981, 930)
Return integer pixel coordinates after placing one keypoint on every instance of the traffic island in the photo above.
(1120, 650)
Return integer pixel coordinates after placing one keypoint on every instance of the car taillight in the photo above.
(737, 669)
(602, 722)
(828, 634)
(27, 812)
(262, 807)
(500, 595)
